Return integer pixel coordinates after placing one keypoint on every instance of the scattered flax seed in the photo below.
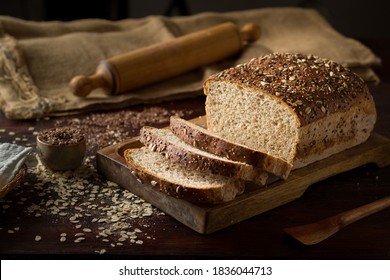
(62, 239)
(38, 238)
(87, 230)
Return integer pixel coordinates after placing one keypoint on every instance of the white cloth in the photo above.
(12, 157)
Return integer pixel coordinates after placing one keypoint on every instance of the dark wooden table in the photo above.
(160, 236)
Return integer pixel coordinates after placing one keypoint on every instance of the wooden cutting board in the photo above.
(206, 219)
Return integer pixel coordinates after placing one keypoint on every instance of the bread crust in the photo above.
(210, 195)
(312, 87)
(318, 93)
(205, 140)
(190, 159)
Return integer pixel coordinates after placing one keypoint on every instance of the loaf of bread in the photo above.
(174, 149)
(153, 169)
(205, 140)
(300, 108)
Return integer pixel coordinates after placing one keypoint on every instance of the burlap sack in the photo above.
(38, 59)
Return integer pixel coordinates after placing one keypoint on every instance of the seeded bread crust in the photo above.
(312, 87)
(212, 143)
(151, 138)
(224, 191)
(300, 108)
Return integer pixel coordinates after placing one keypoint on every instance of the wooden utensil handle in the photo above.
(157, 62)
(361, 212)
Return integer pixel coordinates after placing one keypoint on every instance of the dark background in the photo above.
(354, 18)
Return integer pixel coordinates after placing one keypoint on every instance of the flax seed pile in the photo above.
(104, 129)
(61, 136)
(96, 209)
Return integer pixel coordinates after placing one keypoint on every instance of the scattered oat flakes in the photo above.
(82, 194)
(101, 252)
(80, 239)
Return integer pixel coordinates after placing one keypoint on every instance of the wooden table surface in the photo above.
(155, 235)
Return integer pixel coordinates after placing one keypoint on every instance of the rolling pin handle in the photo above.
(250, 32)
(83, 85)
(131, 70)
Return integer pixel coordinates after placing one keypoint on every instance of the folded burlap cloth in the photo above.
(38, 59)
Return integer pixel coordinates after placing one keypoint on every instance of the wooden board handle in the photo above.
(165, 60)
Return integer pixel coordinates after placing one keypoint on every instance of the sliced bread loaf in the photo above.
(175, 180)
(208, 141)
(174, 149)
(300, 108)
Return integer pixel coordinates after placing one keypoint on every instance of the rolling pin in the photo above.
(168, 59)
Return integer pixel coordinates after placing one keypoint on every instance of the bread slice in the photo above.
(300, 108)
(173, 148)
(196, 186)
(205, 140)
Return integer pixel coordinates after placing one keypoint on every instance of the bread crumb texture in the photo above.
(178, 181)
(312, 86)
(273, 102)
